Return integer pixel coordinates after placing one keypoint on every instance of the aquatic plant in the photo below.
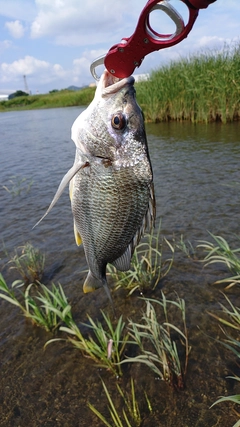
(232, 344)
(130, 413)
(107, 345)
(17, 185)
(186, 247)
(46, 309)
(147, 266)
(220, 252)
(159, 351)
(29, 263)
(234, 399)
(49, 308)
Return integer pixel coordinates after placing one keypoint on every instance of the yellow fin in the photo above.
(91, 283)
(78, 238)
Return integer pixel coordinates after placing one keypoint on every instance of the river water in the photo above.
(196, 176)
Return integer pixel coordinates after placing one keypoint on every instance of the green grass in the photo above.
(49, 308)
(105, 345)
(148, 266)
(131, 414)
(186, 247)
(18, 184)
(46, 308)
(158, 350)
(28, 262)
(231, 319)
(63, 98)
(219, 251)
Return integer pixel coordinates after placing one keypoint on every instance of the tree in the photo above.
(18, 93)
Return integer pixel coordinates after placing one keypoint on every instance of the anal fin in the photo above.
(77, 236)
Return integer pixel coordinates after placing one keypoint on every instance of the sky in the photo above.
(53, 42)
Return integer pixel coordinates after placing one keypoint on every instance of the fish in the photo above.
(111, 181)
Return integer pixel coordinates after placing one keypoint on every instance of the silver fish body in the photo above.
(111, 182)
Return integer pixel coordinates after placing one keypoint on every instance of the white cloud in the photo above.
(4, 45)
(39, 70)
(93, 21)
(81, 65)
(27, 65)
(15, 28)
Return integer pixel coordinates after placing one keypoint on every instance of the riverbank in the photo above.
(202, 88)
(62, 98)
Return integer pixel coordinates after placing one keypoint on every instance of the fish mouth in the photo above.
(110, 84)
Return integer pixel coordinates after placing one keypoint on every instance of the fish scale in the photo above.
(108, 211)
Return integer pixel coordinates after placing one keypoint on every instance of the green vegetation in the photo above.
(220, 252)
(201, 88)
(29, 263)
(147, 265)
(186, 247)
(131, 415)
(18, 93)
(37, 308)
(158, 349)
(107, 346)
(232, 321)
(63, 98)
(17, 185)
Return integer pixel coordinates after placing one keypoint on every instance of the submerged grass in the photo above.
(43, 308)
(106, 347)
(131, 415)
(28, 262)
(159, 351)
(49, 308)
(17, 185)
(148, 266)
(231, 320)
(220, 252)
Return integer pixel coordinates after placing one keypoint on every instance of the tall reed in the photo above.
(201, 88)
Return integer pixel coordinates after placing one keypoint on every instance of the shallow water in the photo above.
(196, 175)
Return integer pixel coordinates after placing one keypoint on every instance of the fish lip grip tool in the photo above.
(122, 58)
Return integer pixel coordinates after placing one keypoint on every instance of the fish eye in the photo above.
(118, 121)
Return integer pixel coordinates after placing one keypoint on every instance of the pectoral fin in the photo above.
(69, 175)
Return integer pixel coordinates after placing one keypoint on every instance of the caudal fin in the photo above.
(92, 283)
